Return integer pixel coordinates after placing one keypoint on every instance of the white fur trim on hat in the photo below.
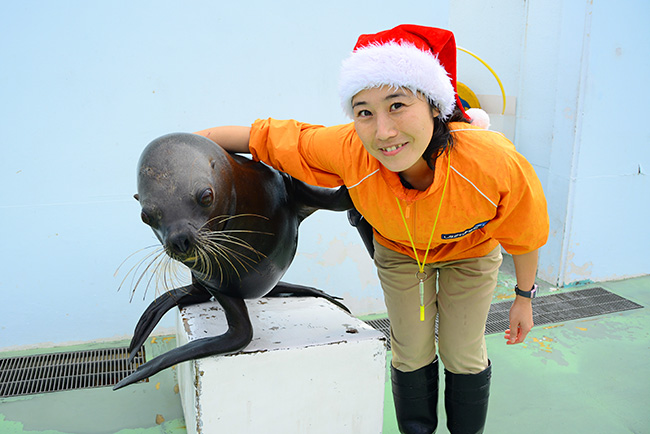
(397, 65)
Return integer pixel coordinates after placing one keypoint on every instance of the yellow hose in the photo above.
(503, 92)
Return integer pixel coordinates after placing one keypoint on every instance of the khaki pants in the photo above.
(462, 301)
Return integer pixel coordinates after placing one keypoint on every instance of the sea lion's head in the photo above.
(184, 187)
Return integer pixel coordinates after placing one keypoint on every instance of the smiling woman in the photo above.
(396, 126)
(440, 196)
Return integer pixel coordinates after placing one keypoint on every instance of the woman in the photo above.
(441, 195)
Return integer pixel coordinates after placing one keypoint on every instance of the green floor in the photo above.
(583, 376)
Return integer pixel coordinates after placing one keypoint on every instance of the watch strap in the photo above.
(528, 294)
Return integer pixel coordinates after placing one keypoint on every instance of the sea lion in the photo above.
(233, 222)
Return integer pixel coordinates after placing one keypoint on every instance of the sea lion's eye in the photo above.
(145, 218)
(206, 198)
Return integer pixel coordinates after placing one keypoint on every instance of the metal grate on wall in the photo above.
(548, 309)
(28, 375)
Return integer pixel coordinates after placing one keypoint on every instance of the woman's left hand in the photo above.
(521, 320)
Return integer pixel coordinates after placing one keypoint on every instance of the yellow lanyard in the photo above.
(421, 275)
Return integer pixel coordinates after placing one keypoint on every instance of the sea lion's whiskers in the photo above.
(158, 264)
(219, 252)
(153, 246)
(210, 251)
(155, 273)
(203, 261)
(237, 257)
(135, 270)
(218, 237)
(225, 218)
(153, 266)
(206, 262)
(212, 244)
(215, 243)
(233, 257)
(138, 264)
(170, 274)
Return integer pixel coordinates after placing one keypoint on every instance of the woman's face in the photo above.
(395, 126)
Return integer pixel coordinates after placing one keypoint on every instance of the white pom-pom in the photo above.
(479, 117)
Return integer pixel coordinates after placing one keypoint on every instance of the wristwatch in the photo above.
(528, 294)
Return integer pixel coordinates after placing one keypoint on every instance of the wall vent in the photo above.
(28, 375)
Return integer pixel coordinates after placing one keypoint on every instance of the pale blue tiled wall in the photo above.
(578, 70)
(609, 234)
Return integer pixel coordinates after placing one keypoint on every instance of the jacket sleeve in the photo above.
(311, 153)
(522, 222)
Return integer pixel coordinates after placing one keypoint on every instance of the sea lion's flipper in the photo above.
(283, 289)
(185, 296)
(238, 335)
(365, 230)
(311, 199)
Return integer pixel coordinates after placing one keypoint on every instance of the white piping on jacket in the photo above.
(477, 189)
(363, 179)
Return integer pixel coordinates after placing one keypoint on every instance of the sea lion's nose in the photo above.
(180, 243)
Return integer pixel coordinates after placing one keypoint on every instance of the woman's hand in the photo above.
(521, 312)
(521, 320)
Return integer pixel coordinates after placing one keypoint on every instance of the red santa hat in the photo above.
(421, 59)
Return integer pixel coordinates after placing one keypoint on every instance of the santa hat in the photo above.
(421, 59)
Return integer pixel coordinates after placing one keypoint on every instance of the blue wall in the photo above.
(577, 74)
(583, 88)
(608, 233)
(84, 86)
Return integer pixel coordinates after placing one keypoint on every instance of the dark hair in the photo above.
(441, 139)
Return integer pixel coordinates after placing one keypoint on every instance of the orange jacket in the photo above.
(493, 194)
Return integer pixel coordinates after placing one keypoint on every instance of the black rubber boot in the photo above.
(416, 399)
(466, 401)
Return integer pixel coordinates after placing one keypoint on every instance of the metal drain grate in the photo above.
(548, 309)
(382, 325)
(566, 306)
(28, 375)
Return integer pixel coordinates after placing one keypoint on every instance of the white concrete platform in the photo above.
(310, 368)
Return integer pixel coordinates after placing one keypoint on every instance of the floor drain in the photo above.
(547, 309)
(28, 375)
(565, 306)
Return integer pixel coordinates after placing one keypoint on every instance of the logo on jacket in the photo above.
(465, 232)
